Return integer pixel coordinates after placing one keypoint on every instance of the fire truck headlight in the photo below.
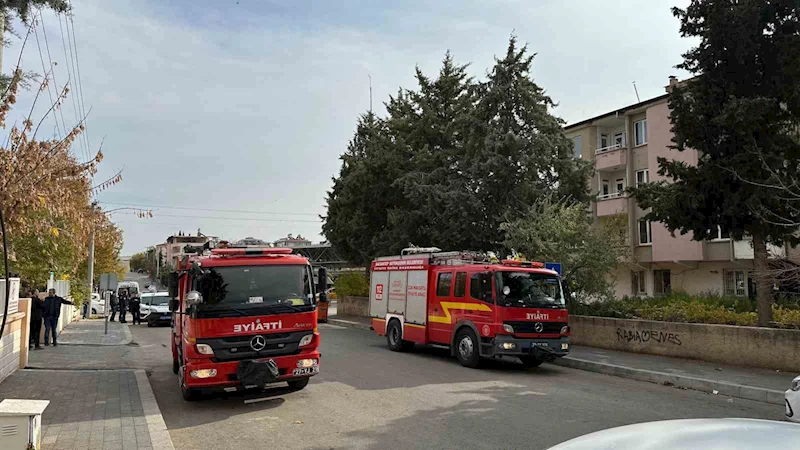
(565, 329)
(305, 340)
(303, 363)
(203, 373)
(204, 349)
(508, 328)
(508, 345)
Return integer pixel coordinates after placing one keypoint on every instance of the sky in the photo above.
(229, 116)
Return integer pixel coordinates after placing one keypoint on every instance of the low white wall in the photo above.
(10, 347)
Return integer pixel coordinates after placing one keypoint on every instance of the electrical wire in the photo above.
(235, 218)
(50, 58)
(82, 104)
(44, 69)
(7, 288)
(68, 59)
(210, 209)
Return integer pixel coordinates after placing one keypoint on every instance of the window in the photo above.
(720, 235)
(606, 189)
(619, 139)
(443, 284)
(638, 286)
(620, 185)
(642, 177)
(176, 249)
(577, 143)
(480, 286)
(644, 232)
(662, 283)
(734, 282)
(603, 140)
(461, 284)
(640, 132)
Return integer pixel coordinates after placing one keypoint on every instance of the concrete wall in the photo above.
(742, 346)
(14, 342)
(353, 306)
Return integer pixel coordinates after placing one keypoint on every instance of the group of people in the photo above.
(47, 310)
(124, 303)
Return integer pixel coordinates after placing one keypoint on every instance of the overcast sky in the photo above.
(212, 105)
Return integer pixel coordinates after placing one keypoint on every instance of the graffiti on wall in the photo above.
(647, 336)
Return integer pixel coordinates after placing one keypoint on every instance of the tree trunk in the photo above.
(764, 298)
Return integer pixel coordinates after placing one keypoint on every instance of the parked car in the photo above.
(730, 434)
(98, 304)
(793, 401)
(154, 308)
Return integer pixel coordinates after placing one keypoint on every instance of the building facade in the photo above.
(624, 145)
(174, 246)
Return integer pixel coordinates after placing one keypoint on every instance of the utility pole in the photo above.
(90, 265)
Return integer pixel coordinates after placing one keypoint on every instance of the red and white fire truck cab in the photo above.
(244, 318)
(476, 308)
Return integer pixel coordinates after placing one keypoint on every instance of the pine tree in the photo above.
(741, 113)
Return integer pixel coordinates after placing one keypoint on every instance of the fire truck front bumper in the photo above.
(207, 375)
(547, 349)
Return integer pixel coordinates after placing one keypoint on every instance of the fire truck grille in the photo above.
(529, 327)
(237, 348)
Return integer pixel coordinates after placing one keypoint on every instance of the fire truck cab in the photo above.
(244, 318)
(476, 308)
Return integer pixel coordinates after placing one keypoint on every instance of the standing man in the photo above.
(36, 319)
(114, 305)
(134, 308)
(123, 305)
(51, 310)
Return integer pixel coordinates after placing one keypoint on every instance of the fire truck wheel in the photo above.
(530, 361)
(298, 384)
(467, 350)
(393, 337)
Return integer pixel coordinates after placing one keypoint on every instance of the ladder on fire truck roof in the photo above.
(440, 258)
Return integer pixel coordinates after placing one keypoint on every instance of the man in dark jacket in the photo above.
(123, 305)
(51, 310)
(36, 319)
(134, 305)
(114, 305)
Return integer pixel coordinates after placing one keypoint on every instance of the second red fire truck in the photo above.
(476, 308)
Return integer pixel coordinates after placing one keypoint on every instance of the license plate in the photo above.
(306, 371)
(540, 344)
(166, 317)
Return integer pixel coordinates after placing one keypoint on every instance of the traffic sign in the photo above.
(108, 281)
(553, 266)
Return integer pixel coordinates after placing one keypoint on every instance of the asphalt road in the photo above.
(368, 397)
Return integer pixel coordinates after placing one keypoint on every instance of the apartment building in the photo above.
(624, 146)
(173, 247)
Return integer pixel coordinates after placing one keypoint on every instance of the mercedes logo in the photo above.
(258, 343)
(538, 326)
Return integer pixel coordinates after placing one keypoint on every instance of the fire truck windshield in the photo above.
(529, 290)
(246, 287)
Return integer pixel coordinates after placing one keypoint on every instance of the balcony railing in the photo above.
(608, 149)
(611, 195)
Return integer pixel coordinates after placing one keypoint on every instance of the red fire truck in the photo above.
(244, 318)
(476, 308)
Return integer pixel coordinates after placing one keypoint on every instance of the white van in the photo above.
(132, 286)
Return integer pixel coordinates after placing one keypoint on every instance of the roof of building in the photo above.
(617, 111)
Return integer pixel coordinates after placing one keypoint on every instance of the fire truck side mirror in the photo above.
(322, 284)
(174, 304)
(173, 284)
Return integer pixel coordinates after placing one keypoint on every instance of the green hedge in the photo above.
(681, 307)
(352, 284)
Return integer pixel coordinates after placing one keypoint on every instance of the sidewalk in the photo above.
(95, 402)
(92, 332)
(741, 382)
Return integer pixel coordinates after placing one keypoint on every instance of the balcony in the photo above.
(612, 204)
(613, 157)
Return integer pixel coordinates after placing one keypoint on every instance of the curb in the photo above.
(159, 436)
(670, 379)
(349, 324)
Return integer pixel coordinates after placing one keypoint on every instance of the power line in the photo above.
(80, 83)
(237, 218)
(44, 69)
(210, 209)
(184, 224)
(68, 61)
(58, 93)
